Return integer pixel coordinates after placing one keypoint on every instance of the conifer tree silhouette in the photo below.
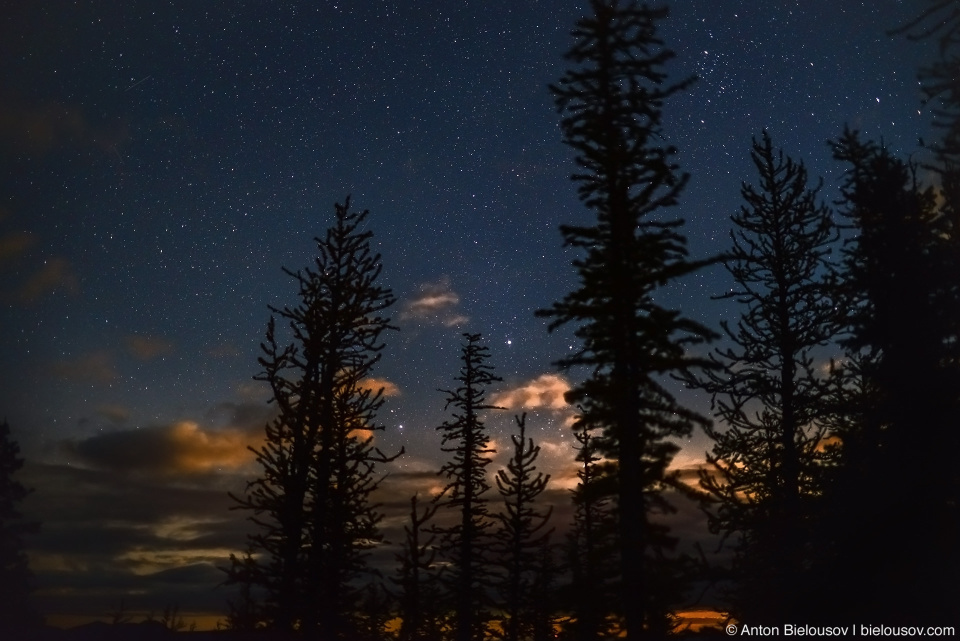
(611, 104)
(940, 81)
(418, 592)
(898, 396)
(544, 614)
(521, 535)
(465, 543)
(244, 611)
(312, 501)
(17, 614)
(941, 20)
(766, 461)
(592, 553)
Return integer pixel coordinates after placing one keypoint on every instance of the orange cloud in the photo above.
(544, 392)
(373, 384)
(56, 274)
(200, 451)
(361, 434)
(831, 441)
(180, 448)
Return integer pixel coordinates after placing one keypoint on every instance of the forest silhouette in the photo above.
(831, 478)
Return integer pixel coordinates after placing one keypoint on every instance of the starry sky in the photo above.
(160, 162)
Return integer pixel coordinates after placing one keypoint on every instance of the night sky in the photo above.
(160, 162)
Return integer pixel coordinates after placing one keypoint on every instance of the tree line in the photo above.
(834, 399)
(834, 395)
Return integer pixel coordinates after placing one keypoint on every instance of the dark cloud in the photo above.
(96, 366)
(151, 541)
(248, 416)
(183, 447)
(195, 574)
(15, 244)
(39, 128)
(74, 495)
(116, 414)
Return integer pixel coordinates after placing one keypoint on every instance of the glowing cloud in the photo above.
(544, 392)
(436, 303)
(373, 384)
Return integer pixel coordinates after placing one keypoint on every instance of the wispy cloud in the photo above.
(147, 348)
(96, 366)
(150, 540)
(436, 303)
(56, 275)
(14, 244)
(39, 128)
(116, 414)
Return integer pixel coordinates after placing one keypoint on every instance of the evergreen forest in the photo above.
(831, 485)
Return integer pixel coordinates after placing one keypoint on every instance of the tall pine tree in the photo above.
(940, 80)
(311, 502)
(611, 104)
(465, 543)
(894, 496)
(767, 390)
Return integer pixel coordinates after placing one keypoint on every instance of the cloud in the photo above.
(39, 128)
(373, 384)
(436, 303)
(147, 348)
(247, 416)
(56, 274)
(181, 448)
(151, 541)
(116, 414)
(14, 244)
(544, 392)
(95, 366)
